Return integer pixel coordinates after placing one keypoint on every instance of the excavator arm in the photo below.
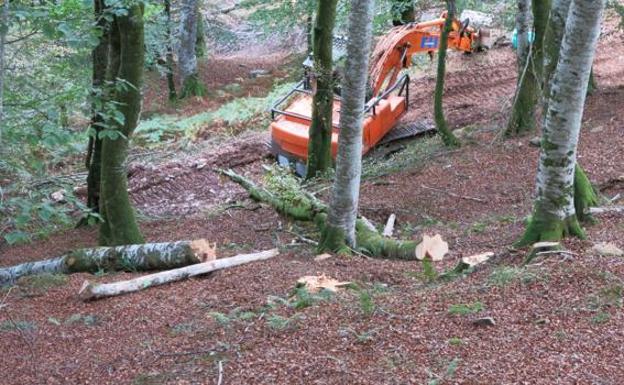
(395, 50)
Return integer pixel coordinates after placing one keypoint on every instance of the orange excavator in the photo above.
(390, 89)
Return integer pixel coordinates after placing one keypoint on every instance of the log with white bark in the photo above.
(148, 256)
(606, 210)
(91, 291)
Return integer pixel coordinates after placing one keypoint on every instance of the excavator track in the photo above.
(408, 130)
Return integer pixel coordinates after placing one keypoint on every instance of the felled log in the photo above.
(300, 205)
(148, 256)
(91, 291)
(606, 210)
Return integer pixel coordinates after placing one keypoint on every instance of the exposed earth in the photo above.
(557, 321)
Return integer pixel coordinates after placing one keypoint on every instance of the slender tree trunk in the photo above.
(585, 195)
(4, 29)
(447, 135)
(120, 226)
(309, 27)
(340, 228)
(200, 40)
(403, 12)
(524, 109)
(554, 213)
(99, 56)
(170, 65)
(319, 145)
(191, 84)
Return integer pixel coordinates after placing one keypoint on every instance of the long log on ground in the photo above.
(148, 256)
(300, 205)
(606, 210)
(95, 291)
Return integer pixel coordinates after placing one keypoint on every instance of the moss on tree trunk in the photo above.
(120, 226)
(319, 145)
(99, 57)
(585, 196)
(200, 40)
(530, 75)
(447, 136)
(169, 58)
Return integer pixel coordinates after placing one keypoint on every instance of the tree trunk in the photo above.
(554, 213)
(120, 226)
(200, 39)
(585, 195)
(319, 145)
(4, 29)
(99, 56)
(149, 256)
(402, 12)
(447, 136)
(340, 228)
(530, 77)
(169, 58)
(97, 291)
(191, 84)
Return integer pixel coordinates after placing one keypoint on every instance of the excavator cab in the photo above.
(292, 114)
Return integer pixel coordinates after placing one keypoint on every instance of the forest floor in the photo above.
(557, 321)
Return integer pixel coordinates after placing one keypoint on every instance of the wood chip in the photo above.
(314, 283)
(433, 247)
(322, 257)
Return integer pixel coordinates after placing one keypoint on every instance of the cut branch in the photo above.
(149, 256)
(95, 291)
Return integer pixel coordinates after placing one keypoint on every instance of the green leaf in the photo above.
(16, 237)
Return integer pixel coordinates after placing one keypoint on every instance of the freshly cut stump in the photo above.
(148, 256)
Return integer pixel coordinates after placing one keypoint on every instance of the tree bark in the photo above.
(120, 226)
(4, 29)
(554, 213)
(200, 40)
(149, 256)
(585, 195)
(191, 84)
(169, 57)
(99, 57)
(438, 110)
(340, 228)
(96, 291)
(319, 145)
(530, 77)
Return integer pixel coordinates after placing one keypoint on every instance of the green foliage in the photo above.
(450, 372)
(601, 317)
(302, 298)
(87, 320)
(367, 304)
(506, 275)
(412, 156)
(455, 341)
(465, 308)
(167, 128)
(277, 322)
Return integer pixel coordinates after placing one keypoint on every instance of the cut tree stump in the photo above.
(95, 291)
(148, 256)
(389, 229)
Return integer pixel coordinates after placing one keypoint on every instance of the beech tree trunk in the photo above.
(438, 110)
(169, 58)
(187, 57)
(120, 226)
(149, 256)
(99, 57)
(530, 77)
(96, 291)
(200, 40)
(319, 145)
(340, 228)
(554, 214)
(4, 29)
(585, 196)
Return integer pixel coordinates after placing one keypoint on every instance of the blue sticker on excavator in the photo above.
(430, 42)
